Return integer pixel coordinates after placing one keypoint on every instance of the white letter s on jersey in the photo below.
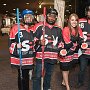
(25, 45)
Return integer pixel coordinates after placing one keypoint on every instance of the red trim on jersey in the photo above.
(46, 24)
(50, 55)
(14, 30)
(87, 51)
(11, 49)
(66, 58)
(25, 61)
(83, 20)
(66, 35)
(75, 56)
(61, 44)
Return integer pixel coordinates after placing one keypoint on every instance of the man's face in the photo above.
(28, 18)
(88, 14)
(51, 18)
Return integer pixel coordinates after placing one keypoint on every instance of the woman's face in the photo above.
(73, 21)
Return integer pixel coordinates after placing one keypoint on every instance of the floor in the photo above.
(8, 76)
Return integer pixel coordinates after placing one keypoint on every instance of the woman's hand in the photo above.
(63, 52)
(84, 46)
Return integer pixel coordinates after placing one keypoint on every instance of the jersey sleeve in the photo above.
(66, 38)
(60, 42)
(37, 35)
(81, 39)
(12, 41)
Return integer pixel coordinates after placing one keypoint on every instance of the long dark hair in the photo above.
(69, 24)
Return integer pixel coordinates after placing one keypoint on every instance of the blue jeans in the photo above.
(47, 78)
(83, 66)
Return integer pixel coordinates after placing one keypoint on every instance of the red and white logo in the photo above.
(84, 46)
(63, 52)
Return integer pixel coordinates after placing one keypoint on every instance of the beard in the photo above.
(51, 22)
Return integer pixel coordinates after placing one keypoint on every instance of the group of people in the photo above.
(46, 43)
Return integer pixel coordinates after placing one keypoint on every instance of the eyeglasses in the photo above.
(52, 15)
(28, 16)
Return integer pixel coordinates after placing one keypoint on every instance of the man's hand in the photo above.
(42, 42)
(19, 45)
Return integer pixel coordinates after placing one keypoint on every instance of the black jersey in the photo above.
(53, 38)
(85, 26)
(71, 43)
(27, 42)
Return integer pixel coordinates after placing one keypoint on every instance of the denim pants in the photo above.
(47, 78)
(83, 66)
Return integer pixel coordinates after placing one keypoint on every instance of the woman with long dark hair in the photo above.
(72, 37)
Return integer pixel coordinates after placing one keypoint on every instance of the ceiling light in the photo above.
(67, 10)
(70, 5)
(13, 9)
(4, 4)
(27, 3)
